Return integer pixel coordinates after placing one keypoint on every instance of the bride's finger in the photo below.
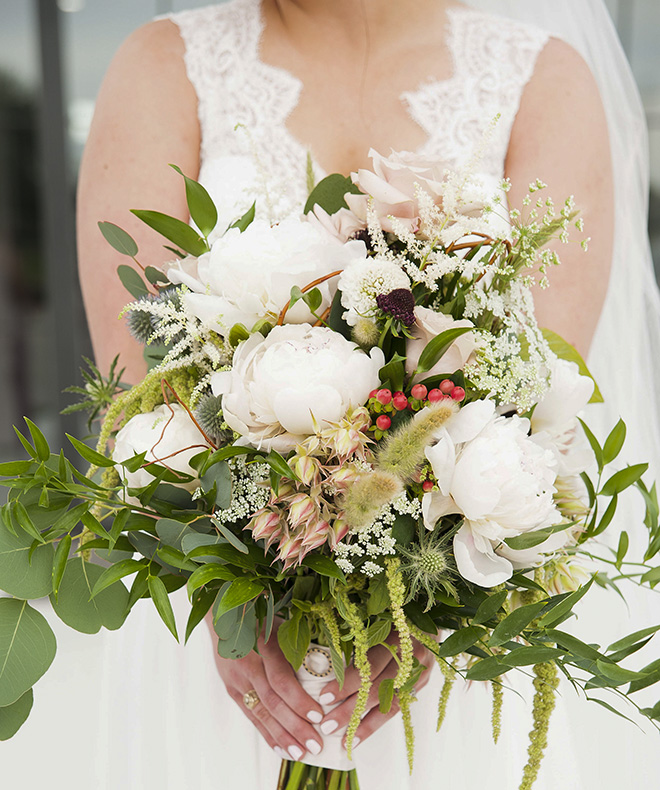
(277, 737)
(272, 708)
(373, 721)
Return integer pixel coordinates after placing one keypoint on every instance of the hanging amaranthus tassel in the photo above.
(545, 684)
(498, 697)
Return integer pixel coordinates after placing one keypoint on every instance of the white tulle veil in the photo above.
(625, 355)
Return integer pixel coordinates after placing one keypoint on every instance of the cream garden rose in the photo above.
(282, 387)
(489, 470)
(248, 276)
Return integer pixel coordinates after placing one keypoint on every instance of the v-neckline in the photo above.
(407, 98)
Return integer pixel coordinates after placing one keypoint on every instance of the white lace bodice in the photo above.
(247, 152)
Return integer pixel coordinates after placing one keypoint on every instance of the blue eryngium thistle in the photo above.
(427, 566)
(144, 323)
(209, 415)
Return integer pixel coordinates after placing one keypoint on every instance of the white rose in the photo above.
(248, 276)
(429, 324)
(362, 281)
(279, 385)
(501, 481)
(167, 435)
(555, 423)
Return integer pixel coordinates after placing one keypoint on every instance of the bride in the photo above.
(258, 98)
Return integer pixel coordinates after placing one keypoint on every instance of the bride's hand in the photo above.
(284, 711)
(383, 666)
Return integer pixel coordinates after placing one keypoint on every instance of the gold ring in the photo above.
(251, 699)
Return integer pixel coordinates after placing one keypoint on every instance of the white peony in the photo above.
(362, 281)
(429, 324)
(490, 471)
(280, 385)
(248, 276)
(167, 435)
(555, 419)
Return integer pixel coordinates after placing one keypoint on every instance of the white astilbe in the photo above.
(361, 549)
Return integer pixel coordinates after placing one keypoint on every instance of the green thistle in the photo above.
(428, 566)
(98, 393)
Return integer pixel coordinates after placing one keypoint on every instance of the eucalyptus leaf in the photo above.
(242, 632)
(218, 475)
(132, 281)
(239, 592)
(22, 575)
(27, 649)
(13, 717)
(119, 239)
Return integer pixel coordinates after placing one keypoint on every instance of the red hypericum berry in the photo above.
(446, 386)
(436, 395)
(427, 486)
(419, 391)
(400, 401)
(458, 394)
(383, 422)
(373, 393)
(384, 396)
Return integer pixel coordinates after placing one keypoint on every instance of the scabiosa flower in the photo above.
(363, 281)
(400, 304)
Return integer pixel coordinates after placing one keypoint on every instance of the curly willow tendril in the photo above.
(361, 646)
(397, 592)
(545, 684)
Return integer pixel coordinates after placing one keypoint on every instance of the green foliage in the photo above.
(294, 636)
(13, 717)
(174, 230)
(329, 193)
(565, 350)
(24, 572)
(202, 208)
(118, 239)
(132, 281)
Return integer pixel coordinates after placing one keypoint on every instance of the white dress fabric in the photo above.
(132, 710)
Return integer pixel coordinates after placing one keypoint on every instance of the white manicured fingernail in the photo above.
(356, 741)
(327, 698)
(295, 752)
(313, 746)
(329, 726)
(315, 717)
(281, 753)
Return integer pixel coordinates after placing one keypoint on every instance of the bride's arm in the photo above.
(146, 117)
(560, 136)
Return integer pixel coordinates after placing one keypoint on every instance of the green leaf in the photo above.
(209, 573)
(276, 462)
(173, 229)
(116, 572)
(203, 600)
(385, 695)
(515, 623)
(118, 524)
(574, 645)
(329, 193)
(565, 350)
(162, 603)
(319, 563)
(132, 281)
(25, 522)
(438, 346)
(460, 641)
(40, 443)
(606, 520)
(239, 629)
(595, 446)
(270, 615)
(651, 577)
(218, 475)
(246, 220)
(202, 208)
(59, 563)
(294, 637)
(238, 334)
(622, 549)
(94, 458)
(379, 598)
(623, 479)
(75, 606)
(651, 676)
(175, 558)
(525, 656)
(489, 608)
(394, 372)
(171, 532)
(155, 276)
(12, 468)
(13, 717)
(239, 592)
(27, 649)
(633, 639)
(616, 673)
(118, 239)
(378, 632)
(26, 445)
(487, 669)
(22, 575)
(528, 540)
(230, 537)
(614, 442)
(558, 612)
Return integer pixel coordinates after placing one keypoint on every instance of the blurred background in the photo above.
(53, 54)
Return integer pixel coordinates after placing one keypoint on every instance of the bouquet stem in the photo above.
(299, 776)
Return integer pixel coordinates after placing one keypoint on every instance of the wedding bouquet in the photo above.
(352, 427)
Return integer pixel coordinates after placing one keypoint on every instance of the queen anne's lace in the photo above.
(244, 103)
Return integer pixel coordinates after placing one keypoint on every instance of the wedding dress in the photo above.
(133, 710)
